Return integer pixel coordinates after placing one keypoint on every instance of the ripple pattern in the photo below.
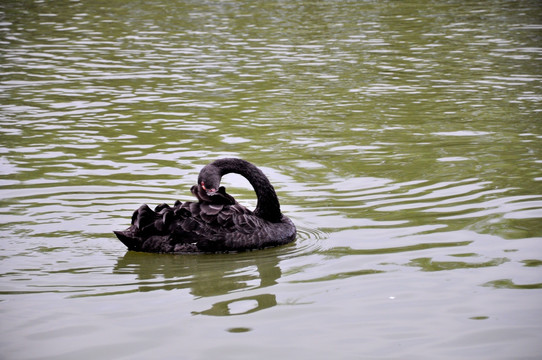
(402, 139)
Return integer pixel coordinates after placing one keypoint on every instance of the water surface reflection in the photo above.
(207, 275)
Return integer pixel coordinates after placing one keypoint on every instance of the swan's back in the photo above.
(193, 227)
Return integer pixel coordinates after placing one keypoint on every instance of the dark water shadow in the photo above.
(244, 305)
(204, 275)
(208, 276)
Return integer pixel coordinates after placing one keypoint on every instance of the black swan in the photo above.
(217, 223)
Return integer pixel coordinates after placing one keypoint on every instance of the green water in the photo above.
(404, 139)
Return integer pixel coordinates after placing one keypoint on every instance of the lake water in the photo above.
(404, 139)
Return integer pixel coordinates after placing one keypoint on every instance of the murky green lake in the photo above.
(404, 139)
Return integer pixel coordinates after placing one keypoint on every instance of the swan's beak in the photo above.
(210, 192)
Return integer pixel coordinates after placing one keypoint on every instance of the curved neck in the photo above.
(268, 206)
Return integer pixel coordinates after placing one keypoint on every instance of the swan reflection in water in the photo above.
(207, 276)
(217, 223)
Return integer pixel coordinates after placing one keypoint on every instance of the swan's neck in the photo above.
(268, 206)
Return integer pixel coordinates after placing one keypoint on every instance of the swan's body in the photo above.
(217, 223)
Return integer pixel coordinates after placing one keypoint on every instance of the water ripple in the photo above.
(405, 147)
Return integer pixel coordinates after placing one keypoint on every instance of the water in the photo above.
(403, 138)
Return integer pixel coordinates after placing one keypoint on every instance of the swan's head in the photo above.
(209, 179)
(212, 196)
(208, 188)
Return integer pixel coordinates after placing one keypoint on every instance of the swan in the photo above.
(217, 222)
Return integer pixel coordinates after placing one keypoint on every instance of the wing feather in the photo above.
(202, 227)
